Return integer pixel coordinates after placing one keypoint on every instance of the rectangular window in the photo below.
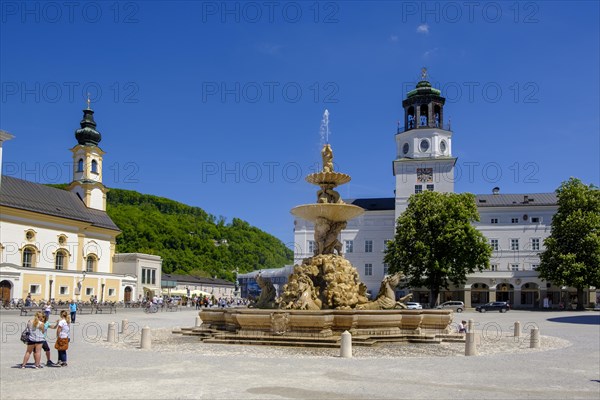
(494, 220)
(418, 189)
(386, 269)
(535, 243)
(311, 246)
(63, 290)
(143, 275)
(368, 269)
(514, 244)
(368, 246)
(60, 261)
(430, 188)
(493, 267)
(514, 267)
(34, 289)
(536, 220)
(153, 280)
(514, 220)
(349, 246)
(534, 266)
(89, 291)
(111, 292)
(494, 244)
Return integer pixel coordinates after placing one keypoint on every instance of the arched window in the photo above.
(60, 260)
(28, 257)
(80, 165)
(94, 166)
(90, 263)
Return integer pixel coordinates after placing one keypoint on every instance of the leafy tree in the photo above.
(435, 242)
(572, 254)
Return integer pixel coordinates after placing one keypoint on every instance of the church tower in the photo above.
(87, 163)
(424, 146)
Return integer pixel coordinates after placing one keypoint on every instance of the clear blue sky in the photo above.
(220, 108)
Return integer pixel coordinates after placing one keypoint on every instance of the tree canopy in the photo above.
(435, 242)
(572, 251)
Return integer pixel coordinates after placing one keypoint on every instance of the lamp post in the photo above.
(78, 291)
(102, 294)
(50, 295)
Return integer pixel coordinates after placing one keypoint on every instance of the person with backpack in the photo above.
(35, 340)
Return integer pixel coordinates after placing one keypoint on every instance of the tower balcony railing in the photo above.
(446, 127)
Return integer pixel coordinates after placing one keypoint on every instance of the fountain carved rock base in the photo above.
(322, 282)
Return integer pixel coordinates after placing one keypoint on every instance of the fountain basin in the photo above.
(335, 212)
(328, 178)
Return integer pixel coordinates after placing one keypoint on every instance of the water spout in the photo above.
(324, 131)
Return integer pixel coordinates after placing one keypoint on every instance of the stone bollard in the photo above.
(198, 321)
(470, 325)
(146, 342)
(517, 329)
(346, 345)
(111, 337)
(470, 345)
(535, 339)
(124, 326)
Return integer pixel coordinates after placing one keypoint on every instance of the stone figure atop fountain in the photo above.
(327, 157)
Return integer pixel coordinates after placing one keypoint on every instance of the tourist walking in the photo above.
(35, 340)
(45, 346)
(73, 310)
(62, 338)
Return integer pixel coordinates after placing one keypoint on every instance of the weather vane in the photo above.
(88, 101)
(424, 73)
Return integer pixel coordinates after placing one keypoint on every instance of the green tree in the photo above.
(436, 243)
(572, 254)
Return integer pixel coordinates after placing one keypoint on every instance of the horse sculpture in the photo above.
(386, 298)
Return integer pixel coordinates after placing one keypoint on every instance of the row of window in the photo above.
(534, 244)
(60, 260)
(94, 166)
(149, 276)
(515, 220)
(513, 267)
(349, 246)
(419, 188)
(64, 290)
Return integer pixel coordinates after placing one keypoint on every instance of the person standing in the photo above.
(48, 309)
(62, 338)
(35, 340)
(45, 346)
(73, 310)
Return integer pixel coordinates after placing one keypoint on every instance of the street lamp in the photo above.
(50, 295)
(102, 294)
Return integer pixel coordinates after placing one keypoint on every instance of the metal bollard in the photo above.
(146, 342)
(346, 345)
(198, 321)
(517, 329)
(112, 333)
(124, 326)
(535, 339)
(470, 345)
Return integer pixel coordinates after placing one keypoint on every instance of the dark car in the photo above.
(501, 306)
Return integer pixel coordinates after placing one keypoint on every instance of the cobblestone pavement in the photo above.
(566, 366)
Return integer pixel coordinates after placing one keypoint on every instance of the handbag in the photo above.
(62, 344)
(25, 335)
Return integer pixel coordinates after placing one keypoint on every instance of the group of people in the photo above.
(37, 339)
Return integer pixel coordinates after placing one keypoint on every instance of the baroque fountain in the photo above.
(324, 295)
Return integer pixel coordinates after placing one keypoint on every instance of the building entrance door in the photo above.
(5, 288)
(127, 294)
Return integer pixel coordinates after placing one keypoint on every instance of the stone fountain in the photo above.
(324, 295)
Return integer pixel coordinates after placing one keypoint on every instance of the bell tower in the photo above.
(87, 163)
(423, 146)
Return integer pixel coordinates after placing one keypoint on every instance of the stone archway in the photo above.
(530, 294)
(505, 292)
(480, 293)
(5, 291)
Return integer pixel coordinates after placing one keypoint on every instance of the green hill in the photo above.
(189, 240)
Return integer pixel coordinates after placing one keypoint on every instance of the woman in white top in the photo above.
(62, 337)
(36, 338)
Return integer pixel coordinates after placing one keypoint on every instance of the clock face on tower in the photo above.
(425, 175)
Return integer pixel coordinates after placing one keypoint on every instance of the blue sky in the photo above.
(218, 105)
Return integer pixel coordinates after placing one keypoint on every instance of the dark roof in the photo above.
(512, 200)
(35, 197)
(377, 204)
(195, 280)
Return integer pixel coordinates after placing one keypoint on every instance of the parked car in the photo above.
(414, 306)
(457, 306)
(501, 306)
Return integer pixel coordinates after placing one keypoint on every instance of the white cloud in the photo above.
(430, 52)
(423, 28)
(394, 38)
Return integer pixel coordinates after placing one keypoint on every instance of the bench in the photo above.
(109, 309)
(27, 309)
(85, 309)
(57, 310)
(173, 307)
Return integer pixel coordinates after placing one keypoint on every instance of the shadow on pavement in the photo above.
(578, 319)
